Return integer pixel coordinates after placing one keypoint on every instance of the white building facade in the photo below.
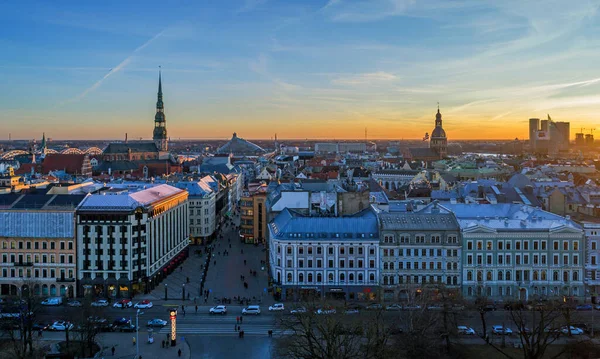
(329, 257)
(592, 260)
(129, 240)
(201, 208)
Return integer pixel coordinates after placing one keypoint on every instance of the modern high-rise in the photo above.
(534, 125)
(564, 131)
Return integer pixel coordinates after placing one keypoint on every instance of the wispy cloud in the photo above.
(112, 71)
(369, 78)
(250, 5)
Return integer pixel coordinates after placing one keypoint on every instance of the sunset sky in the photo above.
(316, 69)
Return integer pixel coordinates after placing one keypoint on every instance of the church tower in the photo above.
(438, 141)
(160, 123)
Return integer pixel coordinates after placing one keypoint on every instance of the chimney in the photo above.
(125, 137)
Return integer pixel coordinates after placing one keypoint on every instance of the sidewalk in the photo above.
(124, 348)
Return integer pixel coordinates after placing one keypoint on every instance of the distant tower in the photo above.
(160, 123)
(43, 146)
(534, 127)
(438, 141)
(276, 145)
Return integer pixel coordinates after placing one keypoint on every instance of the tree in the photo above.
(88, 323)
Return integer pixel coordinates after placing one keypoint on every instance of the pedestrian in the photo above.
(241, 320)
(196, 306)
(270, 333)
(133, 340)
(215, 262)
(205, 300)
(235, 327)
(242, 333)
(237, 320)
(188, 296)
(163, 344)
(179, 352)
(229, 245)
(244, 262)
(113, 350)
(167, 335)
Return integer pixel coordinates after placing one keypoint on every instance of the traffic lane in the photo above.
(225, 347)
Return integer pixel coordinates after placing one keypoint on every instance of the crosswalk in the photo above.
(224, 330)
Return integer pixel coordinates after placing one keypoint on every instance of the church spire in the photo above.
(159, 102)
(160, 123)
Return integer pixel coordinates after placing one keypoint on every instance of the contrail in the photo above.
(112, 71)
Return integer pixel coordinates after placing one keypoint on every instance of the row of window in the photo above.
(330, 263)
(401, 279)
(507, 291)
(44, 245)
(524, 275)
(198, 212)
(523, 245)
(416, 252)
(35, 258)
(35, 273)
(523, 259)
(421, 239)
(330, 277)
(415, 265)
(330, 250)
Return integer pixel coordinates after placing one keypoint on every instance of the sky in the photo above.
(298, 69)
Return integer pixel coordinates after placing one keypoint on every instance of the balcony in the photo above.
(23, 264)
(65, 280)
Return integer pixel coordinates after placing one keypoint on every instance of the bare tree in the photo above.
(88, 323)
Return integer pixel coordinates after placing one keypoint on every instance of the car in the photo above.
(298, 310)
(327, 310)
(352, 310)
(489, 308)
(464, 330)
(251, 309)
(434, 307)
(276, 307)
(52, 301)
(412, 307)
(156, 322)
(584, 307)
(123, 303)
(123, 325)
(74, 303)
(61, 325)
(126, 328)
(144, 304)
(40, 326)
(458, 307)
(100, 303)
(374, 306)
(572, 329)
(393, 307)
(100, 324)
(219, 309)
(500, 330)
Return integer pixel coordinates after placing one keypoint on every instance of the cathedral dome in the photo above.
(438, 132)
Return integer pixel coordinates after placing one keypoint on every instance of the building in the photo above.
(419, 250)
(201, 199)
(340, 147)
(534, 125)
(253, 224)
(329, 257)
(438, 144)
(240, 147)
(592, 260)
(129, 237)
(75, 165)
(38, 244)
(159, 135)
(517, 252)
(549, 137)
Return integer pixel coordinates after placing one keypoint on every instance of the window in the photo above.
(342, 250)
(489, 259)
(371, 263)
(300, 277)
(535, 245)
(543, 245)
(289, 250)
(507, 245)
(500, 245)
(301, 263)
(319, 250)
(351, 250)
(330, 250)
(555, 245)
(565, 246)
(479, 245)
(300, 250)
(330, 263)
(342, 277)
(470, 245)
(517, 245)
(489, 246)
(575, 246)
(470, 259)
(360, 250)
(372, 251)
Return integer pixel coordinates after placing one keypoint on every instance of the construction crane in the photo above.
(592, 131)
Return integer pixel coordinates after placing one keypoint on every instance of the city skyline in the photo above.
(298, 69)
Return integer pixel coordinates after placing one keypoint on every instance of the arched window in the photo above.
(500, 275)
(448, 280)
(391, 280)
(575, 275)
(289, 277)
(488, 275)
(385, 266)
(565, 276)
(489, 291)
(544, 275)
(479, 276)
(342, 277)
(455, 280)
(310, 277)
(371, 277)
(391, 265)
(535, 275)
(330, 277)
(319, 278)
(301, 278)
(469, 276)
(555, 276)
(507, 275)
(351, 277)
(448, 266)
(360, 277)
(469, 291)
(455, 266)
(385, 280)
(508, 290)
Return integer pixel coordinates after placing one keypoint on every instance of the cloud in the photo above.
(364, 11)
(250, 5)
(259, 65)
(112, 71)
(467, 105)
(369, 78)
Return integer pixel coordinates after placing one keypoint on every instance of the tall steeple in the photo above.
(160, 122)
(43, 146)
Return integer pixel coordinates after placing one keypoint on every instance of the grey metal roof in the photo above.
(135, 147)
(418, 221)
(36, 224)
(290, 225)
(239, 146)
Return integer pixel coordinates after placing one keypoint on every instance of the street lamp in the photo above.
(165, 291)
(183, 292)
(137, 333)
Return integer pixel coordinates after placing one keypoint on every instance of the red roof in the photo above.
(71, 164)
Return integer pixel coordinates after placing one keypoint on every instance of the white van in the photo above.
(53, 301)
(251, 309)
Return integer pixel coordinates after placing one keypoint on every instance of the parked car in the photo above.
(458, 307)
(156, 322)
(411, 307)
(123, 303)
(74, 303)
(489, 308)
(328, 310)
(52, 301)
(352, 310)
(251, 309)
(100, 323)
(219, 309)
(61, 325)
(298, 310)
(572, 329)
(144, 304)
(100, 303)
(393, 307)
(499, 330)
(374, 306)
(276, 307)
(39, 326)
(123, 325)
(434, 307)
(464, 330)
(584, 307)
